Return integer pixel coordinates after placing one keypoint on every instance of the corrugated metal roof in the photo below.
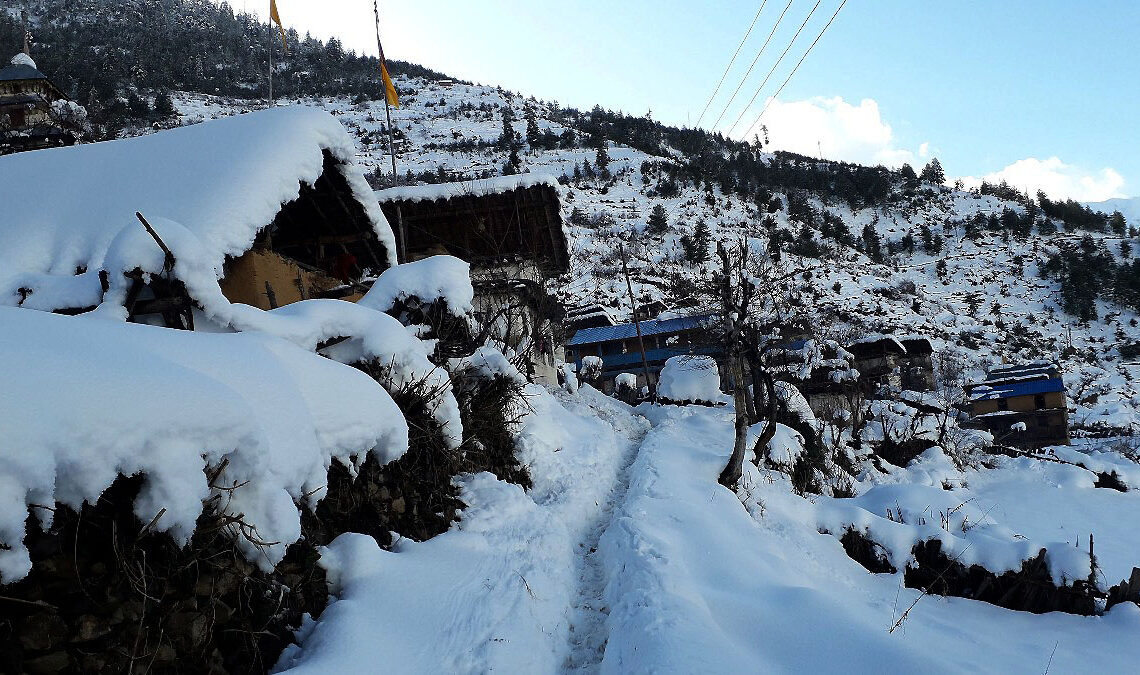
(1011, 389)
(625, 331)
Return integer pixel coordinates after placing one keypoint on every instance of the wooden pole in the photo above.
(271, 38)
(402, 253)
(637, 324)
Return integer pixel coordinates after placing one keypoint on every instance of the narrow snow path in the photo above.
(588, 633)
(501, 590)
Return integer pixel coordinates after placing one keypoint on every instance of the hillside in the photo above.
(330, 486)
(948, 267)
(993, 274)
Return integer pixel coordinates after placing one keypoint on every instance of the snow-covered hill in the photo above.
(980, 296)
(1129, 206)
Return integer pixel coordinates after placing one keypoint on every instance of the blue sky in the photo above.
(1044, 93)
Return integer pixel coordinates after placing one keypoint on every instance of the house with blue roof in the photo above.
(1022, 405)
(618, 347)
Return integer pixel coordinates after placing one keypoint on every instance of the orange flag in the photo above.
(277, 19)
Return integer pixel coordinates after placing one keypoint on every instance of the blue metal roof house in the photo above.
(1022, 405)
(618, 348)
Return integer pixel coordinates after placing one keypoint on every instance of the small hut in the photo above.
(510, 230)
(270, 204)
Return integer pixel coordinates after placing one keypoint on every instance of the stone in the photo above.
(90, 627)
(48, 664)
(42, 631)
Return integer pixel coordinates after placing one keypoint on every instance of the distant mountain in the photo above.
(1129, 207)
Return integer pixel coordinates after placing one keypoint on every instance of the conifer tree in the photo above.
(533, 135)
(933, 173)
(658, 221)
(872, 244)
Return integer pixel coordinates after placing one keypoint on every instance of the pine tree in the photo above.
(533, 135)
(872, 244)
(933, 173)
(1126, 250)
(1117, 223)
(908, 175)
(138, 106)
(658, 221)
(507, 138)
(696, 247)
(164, 104)
(602, 159)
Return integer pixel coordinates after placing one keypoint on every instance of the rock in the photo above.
(188, 628)
(43, 631)
(398, 505)
(48, 664)
(90, 627)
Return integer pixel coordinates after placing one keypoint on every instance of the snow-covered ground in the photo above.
(628, 556)
(512, 587)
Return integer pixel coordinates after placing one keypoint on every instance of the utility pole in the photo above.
(637, 324)
(402, 253)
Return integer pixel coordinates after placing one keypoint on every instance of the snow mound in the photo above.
(23, 59)
(223, 181)
(691, 378)
(88, 400)
(440, 277)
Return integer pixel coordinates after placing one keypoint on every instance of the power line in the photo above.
(774, 66)
(753, 125)
(730, 62)
(752, 65)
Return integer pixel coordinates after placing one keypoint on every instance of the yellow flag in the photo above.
(389, 88)
(277, 18)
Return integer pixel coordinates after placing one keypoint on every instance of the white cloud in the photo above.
(838, 129)
(1057, 179)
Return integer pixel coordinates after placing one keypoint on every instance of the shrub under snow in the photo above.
(690, 378)
(88, 399)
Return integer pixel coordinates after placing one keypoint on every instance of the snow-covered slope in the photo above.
(989, 303)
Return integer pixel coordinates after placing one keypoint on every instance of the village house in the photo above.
(917, 365)
(270, 206)
(822, 371)
(903, 363)
(1022, 405)
(620, 351)
(590, 315)
(878, 359)
(510, 231)
(29, 118)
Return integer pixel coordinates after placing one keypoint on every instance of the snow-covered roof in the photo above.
(865, 344)
(473, 188)
(222, 181)
(21, 67)
(625, 331)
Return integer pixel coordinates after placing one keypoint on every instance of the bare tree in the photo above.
(756, 296)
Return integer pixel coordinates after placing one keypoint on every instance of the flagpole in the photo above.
(391, 146)
(271, 38)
